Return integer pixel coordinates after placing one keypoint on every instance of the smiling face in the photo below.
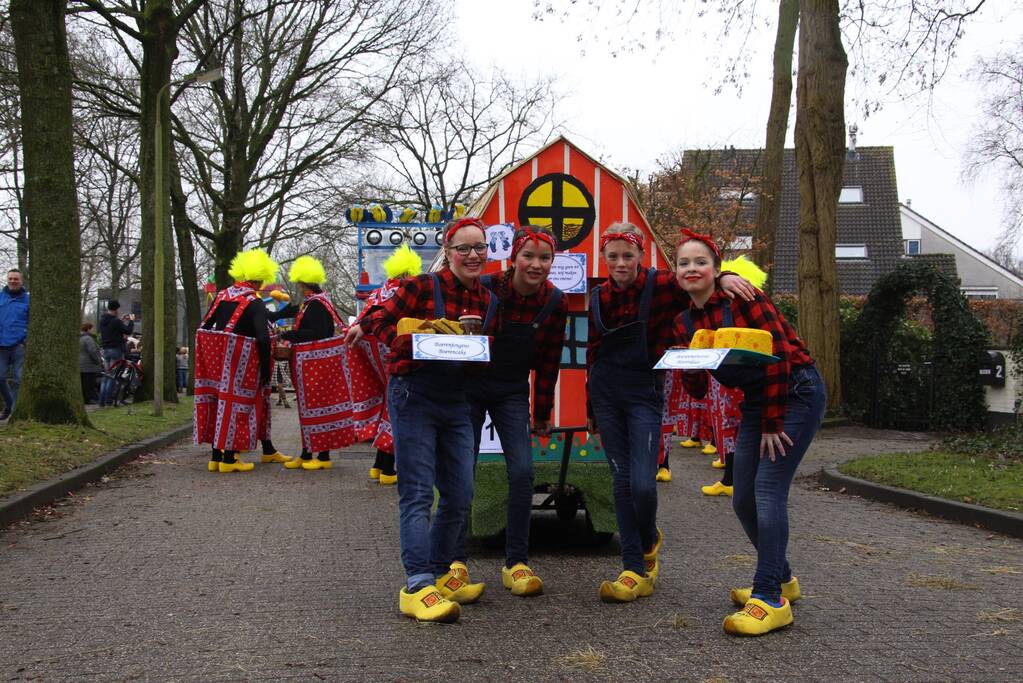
(532, 264)
(467, 267)
(622, 259)
(14, 281)
(695, 267)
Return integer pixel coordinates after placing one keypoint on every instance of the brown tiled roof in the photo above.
(945, 263)
(875, 223)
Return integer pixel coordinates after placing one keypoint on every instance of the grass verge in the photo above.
(31, 452)
(490, 502)
(982, 480)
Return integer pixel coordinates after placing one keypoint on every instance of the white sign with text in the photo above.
(490, 442)
(691, 359)
(568, 273)
(451, 347)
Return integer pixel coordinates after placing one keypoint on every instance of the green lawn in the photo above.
(31, 452)
(489, 505)
(979, 479)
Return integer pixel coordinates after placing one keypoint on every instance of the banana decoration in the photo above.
(440, 326)
(380, 213)
(407, 215)
(435, 214)
(355, 214)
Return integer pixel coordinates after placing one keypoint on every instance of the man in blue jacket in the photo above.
(13, 330)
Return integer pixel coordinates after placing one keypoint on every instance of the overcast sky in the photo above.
(629, 109)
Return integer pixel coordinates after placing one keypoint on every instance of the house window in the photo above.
(741, 242)
(980, 292)
(912, 247)
(848, 251)
(573, 353)
(851, 195)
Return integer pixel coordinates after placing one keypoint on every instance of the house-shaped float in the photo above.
(565, 189)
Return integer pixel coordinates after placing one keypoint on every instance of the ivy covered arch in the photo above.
(959, 342)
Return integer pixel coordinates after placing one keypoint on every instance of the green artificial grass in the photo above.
(489, 507)
(31, 452)
(982, 480)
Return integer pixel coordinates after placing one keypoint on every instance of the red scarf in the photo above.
(688, 235)
(535, 236)
(632, 237)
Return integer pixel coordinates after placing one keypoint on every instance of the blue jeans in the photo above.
(433, 446)
(12, 357)
(627, 407)
(761, 494)
(507, 401)
(106, 389)
(182, 378)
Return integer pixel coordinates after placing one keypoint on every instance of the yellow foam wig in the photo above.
(747, 269)
(254, 265)
(403, 262)
(307, 270)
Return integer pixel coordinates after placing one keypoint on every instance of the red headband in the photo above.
(689, 235)
(532, 235)
(633, 237)
(462, 223)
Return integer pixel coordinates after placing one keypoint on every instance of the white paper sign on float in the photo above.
(568, 273)
(462, 347)
(499, 241)
(490, 442)
(691, 359)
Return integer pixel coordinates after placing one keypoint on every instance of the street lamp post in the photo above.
(159, 215)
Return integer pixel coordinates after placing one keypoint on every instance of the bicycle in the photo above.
(127, 376)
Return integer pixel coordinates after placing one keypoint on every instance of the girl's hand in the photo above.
(353, 335)
(542, 427)
(734, 284)
(591, 426)
(772, 442)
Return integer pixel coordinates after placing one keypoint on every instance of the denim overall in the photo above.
(433, 446)
(504, 392)
(626, 396)
(761, 493)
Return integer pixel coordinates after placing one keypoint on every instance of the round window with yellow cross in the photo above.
(561, 203)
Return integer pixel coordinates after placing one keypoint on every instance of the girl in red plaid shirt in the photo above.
(782, 409)
(433, 440)
(631, 318)
(530, 338)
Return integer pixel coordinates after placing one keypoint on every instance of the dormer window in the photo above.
(852, 194)
(850, 251)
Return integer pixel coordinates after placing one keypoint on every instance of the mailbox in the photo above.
(992, 369)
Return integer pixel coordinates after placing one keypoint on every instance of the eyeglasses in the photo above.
(464, 249)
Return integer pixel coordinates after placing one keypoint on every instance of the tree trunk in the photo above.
(186, 256)
(159, 51)
(51, 391)
(769, 204)
(820, 157)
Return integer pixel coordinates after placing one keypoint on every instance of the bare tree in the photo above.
(447, 133)
(820, 158)
(996, 146)
(109, 197)
(302, 79)
(13, 224)
(51, 391)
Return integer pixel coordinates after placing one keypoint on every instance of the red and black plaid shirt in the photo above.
(621, 306)
(414, 299)
(762, 315)
(549, 340)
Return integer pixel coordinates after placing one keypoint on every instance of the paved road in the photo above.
(169, 572)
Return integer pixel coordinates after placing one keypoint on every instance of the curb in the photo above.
(1003, 521)
(18, 505)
